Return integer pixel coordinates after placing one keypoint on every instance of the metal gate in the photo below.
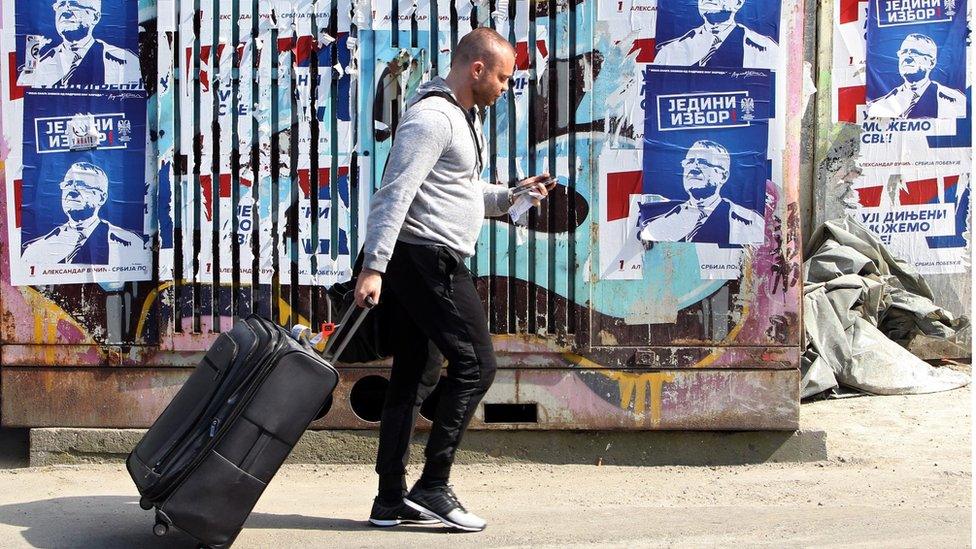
(269, 124)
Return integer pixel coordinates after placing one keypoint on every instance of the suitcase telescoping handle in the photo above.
(354, 315)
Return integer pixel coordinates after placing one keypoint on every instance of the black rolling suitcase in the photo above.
(208, 458)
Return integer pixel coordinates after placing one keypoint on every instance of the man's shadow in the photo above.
(118, 522)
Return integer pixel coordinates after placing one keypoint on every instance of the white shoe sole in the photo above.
(385, 523)
(397, 522)
(452, 524)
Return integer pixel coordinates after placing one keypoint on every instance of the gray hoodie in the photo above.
(432, 191)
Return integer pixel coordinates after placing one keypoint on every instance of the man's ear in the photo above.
(477, 69)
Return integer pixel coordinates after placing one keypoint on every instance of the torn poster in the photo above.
(914, 190)
(848, 77)
(718, 33)
(80, 207)
(621, 253)
(705, 161)
(916, 58)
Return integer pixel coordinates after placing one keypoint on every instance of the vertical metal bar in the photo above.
(184, 250)
(395, 23)
(560, 65)
(219, 298)
(313, 165)
(239, 296)
(167, 109)
(257, 56)
(275, 169)
(267, 157)
(179, 172)
(517, 8)
(334, 138)
(541, 153)
(524, 269)
(575, 77)
(485, 252)
(294, 134)
(363, 169)
(197, 153)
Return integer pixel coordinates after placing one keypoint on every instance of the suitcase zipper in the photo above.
(177, 443)
(171, 454)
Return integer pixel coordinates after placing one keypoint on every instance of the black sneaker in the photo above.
(441, 503)
(393, 513)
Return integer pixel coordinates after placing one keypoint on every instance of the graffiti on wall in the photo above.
(269, 123)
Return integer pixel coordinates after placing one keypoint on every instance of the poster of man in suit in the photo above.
(81, 206)
(78, 43)
(916, 59)
(718, 33)
(705, 156)
(84, 238)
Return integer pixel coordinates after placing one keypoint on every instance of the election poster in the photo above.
(80, 206)
(79, 198)
(621, 181)
(88, 44)
(914, 189)
(915, 155)
(916, 59)
(705, 161)
(718, 33)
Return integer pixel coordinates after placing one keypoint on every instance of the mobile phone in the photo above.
(519, 191)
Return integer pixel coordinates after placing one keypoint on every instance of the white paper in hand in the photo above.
(519, 211)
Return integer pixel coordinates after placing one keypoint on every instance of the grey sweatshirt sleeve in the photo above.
(420, 141)
(497, 199)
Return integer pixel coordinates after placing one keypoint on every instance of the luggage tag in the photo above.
(318, 340)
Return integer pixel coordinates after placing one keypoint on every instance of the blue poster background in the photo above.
(885, 39)
(677, 17)
(664, 150)
(118, 26)
(125, 206)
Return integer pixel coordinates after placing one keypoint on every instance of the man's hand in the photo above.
(368, 284)
(539, 185)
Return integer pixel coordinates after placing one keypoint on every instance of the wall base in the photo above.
(58, 446)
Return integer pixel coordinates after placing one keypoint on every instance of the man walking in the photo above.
(423, 221)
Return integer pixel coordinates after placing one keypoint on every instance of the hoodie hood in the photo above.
(435, 84)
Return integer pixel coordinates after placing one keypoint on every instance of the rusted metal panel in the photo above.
(562, 399)
(512, 354)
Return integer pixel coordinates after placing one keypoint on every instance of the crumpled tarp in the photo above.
(861, 308)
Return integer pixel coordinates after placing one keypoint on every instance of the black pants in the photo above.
(434, 310)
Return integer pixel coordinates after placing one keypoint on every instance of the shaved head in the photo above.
(482, 44)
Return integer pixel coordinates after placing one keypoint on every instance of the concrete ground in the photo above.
(899, 475)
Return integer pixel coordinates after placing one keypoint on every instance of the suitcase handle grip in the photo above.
(355, 314)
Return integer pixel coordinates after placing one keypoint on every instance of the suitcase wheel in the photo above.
(160, 529)
(145, 504)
